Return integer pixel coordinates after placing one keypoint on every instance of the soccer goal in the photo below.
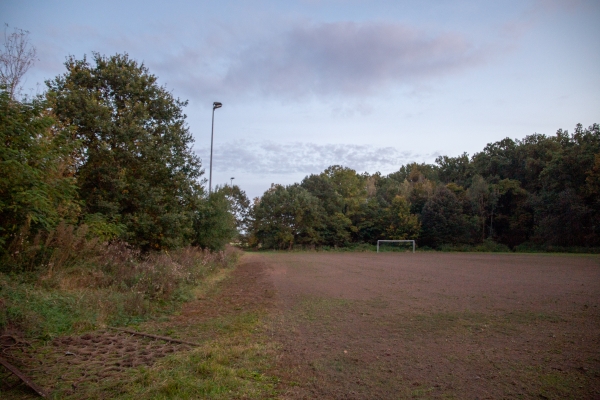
(396, 241)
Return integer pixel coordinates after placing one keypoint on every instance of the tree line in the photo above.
(107, 148)
(541, 192)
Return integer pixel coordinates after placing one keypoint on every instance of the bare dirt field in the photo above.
(435, 325)
(355, 326)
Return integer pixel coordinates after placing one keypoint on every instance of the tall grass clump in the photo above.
(66, 281)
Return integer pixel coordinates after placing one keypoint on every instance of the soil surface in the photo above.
(376, 326)
(436, 325)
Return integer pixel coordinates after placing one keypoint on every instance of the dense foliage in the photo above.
(136, 166)
(37, 188)
(535, 193)
(109, 149)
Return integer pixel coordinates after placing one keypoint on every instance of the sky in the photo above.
(370, 85)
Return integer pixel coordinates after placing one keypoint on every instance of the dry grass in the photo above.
(70, 283)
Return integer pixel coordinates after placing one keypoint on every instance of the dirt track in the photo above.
(433, 325)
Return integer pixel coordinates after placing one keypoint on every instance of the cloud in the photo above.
(306, 158)
(324, 59)
(535, 11)
(286, 60)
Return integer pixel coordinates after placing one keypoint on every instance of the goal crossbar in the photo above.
(397, 241)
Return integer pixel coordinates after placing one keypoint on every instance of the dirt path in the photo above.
(431, 325)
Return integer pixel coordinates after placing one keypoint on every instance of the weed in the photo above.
(112, 285)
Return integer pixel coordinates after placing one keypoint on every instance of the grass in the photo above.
(116, 286)
(487, 246)
(234, 365)
(67, 284)
(233, 360)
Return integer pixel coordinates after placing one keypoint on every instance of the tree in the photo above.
(349, 185)
(565, 221)
(136, 165)
(479, 195)
(336, 226)
(16, 57)
(214, 221)
(286, 216)
(442, 218)
(371, 220)
(400, 223)
(37, 188)
(454, 169)
(497, 160)
(513, 219)
(415, 171)
(570, 163)
(239, 206)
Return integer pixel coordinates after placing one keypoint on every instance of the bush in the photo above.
(489, 246)
(529, 247)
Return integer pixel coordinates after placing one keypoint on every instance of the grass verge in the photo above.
(232, 361)
(115, 287)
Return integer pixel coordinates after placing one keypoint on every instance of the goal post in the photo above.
(396, 241)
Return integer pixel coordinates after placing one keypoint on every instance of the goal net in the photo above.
(395, 245)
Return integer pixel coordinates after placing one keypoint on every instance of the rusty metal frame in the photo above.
(27, 380)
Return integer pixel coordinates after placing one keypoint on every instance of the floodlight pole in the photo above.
(216, 105)
(231, 184)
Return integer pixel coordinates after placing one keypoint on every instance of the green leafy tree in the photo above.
(420, 192)
(565, 220)
(239, 205)
(400, 223)
(572, 160)
(336, 227)
(442, 219)
(456, 170)
(479, 194)
(37, 187)
(592, 179)
(370, 221)
(214, 221)
(136, 166)
(349, 185)
(540, 189)
(286, 216)
(497, 160)
(415, 172)
(513, 217)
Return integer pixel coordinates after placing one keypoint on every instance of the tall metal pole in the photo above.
(212, 133)
(216, 105)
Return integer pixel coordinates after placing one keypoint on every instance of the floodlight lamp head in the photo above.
(216, 105)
